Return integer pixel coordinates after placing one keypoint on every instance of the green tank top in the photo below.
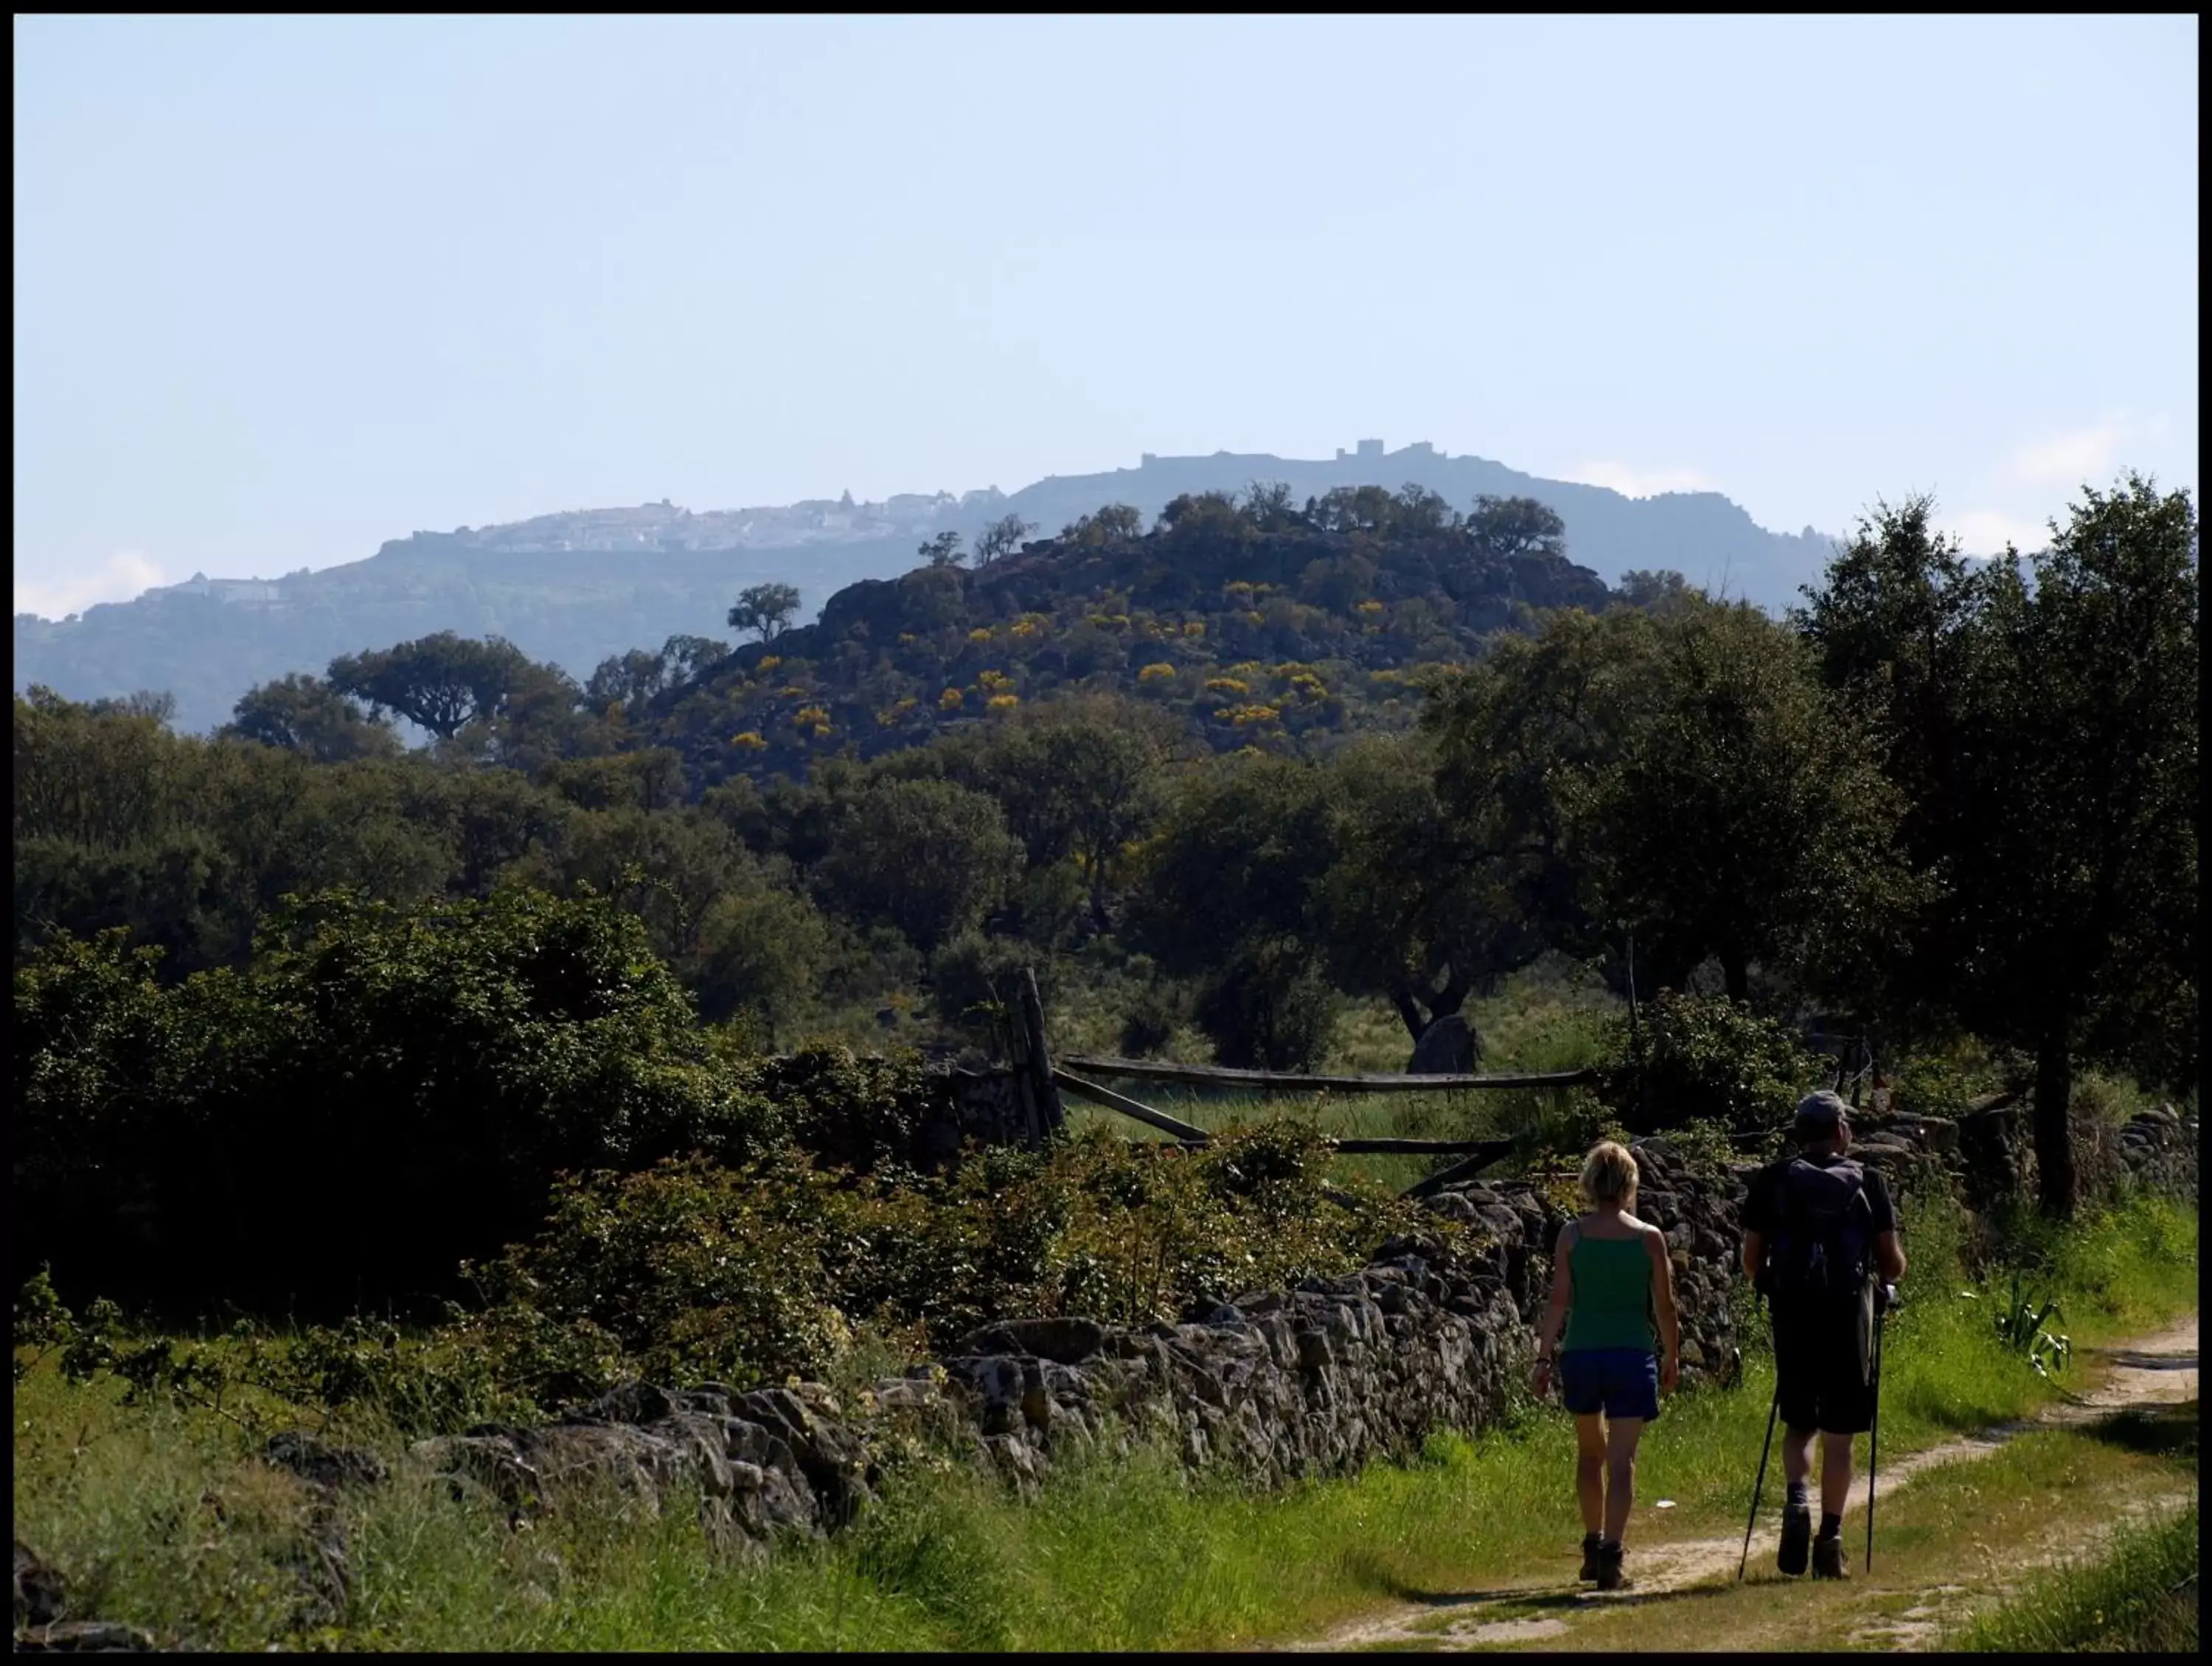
(1612, 1295)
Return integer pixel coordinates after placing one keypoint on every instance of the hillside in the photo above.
(577, 587)
(1252, 622)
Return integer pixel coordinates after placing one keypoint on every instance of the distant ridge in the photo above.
(553, 585)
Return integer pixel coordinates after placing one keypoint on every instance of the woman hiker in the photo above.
(1610, 1277)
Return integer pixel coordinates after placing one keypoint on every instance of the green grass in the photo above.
(162, 1518)
(2140, 1596)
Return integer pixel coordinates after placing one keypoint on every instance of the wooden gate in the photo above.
(1476, 1155)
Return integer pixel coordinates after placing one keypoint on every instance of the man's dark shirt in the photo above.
(1765, 1208)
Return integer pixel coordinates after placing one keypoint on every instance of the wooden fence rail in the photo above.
(1352, 1144)
(1039, 1079)
(1280, 1081)
(1129, 1107)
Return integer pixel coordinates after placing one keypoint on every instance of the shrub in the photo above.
(1935, 1087)
(1151, 1020)
(694, 1270)
(1269, 1006)
(852, 1109)
(1704, 1056)
(384, 1093)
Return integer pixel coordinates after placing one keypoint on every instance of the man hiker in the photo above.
(1818, 1228)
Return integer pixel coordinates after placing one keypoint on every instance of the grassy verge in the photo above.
(160, 1517)
(2140, 1597)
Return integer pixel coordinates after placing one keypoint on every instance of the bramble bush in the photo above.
(695, 1270)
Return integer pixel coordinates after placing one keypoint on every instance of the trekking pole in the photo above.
(1873, 1425)
(1760, 1484)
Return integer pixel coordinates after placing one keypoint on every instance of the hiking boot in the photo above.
(1609, 1576)
(1828, 1558)
(1797, 1538)
(1591, 1542)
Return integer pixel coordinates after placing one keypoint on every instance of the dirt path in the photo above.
(2159, 1369)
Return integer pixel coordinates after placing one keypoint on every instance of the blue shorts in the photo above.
(1620, 1382)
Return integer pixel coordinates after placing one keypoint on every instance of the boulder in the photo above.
(1447, 1048)
(322, 1464)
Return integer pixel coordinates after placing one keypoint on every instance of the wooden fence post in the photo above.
(1036, 1094)
(1044, 1091)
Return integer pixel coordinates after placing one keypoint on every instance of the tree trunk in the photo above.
(1453, 996)
(1409, 1010)
(2054, 1134)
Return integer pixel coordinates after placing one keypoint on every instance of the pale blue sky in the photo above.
(287, 289)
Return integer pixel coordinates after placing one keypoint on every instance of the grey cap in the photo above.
(1818, 1112)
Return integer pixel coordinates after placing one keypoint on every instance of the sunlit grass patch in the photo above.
(2141, 1594)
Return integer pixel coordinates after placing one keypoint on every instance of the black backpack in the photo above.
(1824, 1246)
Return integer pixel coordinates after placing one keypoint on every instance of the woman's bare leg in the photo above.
(1621, 1438)
(1589, 1469)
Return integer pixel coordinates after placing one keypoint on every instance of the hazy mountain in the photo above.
(577, 587)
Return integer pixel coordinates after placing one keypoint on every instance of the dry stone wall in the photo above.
(2155, 1149)
(1312, 1381)
(2158, 1151)
(1277, 1385)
